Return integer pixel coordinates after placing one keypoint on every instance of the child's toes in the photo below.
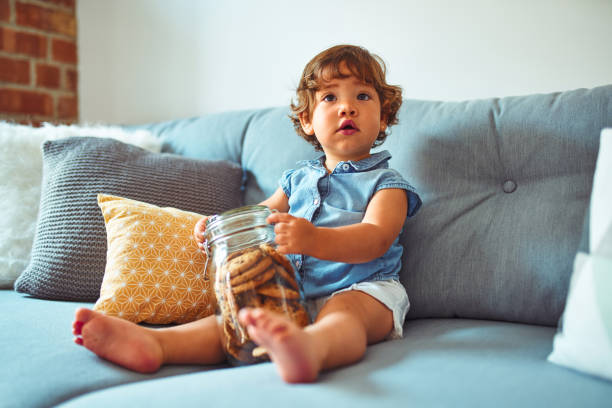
(279, 329)
(77, 327)
(83, 315)
(245, 316)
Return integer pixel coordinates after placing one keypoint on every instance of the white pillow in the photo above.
(601, 199)
(20, 178)
(584, 340)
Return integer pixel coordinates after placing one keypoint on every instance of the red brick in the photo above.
(5, 10)
(67, 107)
(64, 3)
(72, 80)
(14, 70)
(20, 101)
(33, 45)
(46, 19)
(47, 76)
(64, 51)
(8, 39)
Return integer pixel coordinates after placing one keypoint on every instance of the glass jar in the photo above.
(247, 271)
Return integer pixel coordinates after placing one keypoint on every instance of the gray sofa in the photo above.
(505, 185)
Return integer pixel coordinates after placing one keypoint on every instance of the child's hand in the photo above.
(293, 235)
(198, 231)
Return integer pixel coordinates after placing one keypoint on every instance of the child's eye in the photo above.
(363, 97)
(329, 98)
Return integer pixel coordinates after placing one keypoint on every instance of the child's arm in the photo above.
(357, 243)
(277, 201)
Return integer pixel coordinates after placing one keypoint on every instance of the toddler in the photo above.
(339, 218)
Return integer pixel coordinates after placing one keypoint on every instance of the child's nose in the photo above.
(347, 109)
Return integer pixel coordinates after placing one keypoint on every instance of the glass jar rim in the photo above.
(234, 221)
(239, 211)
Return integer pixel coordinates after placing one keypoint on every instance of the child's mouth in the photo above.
(347, 127)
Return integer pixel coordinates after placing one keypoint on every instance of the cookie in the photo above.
(277, 291)
(286, 270)
(273, 304)
(300, 316)
(236, 254)
(278, 257)
(287, 276)
(293, 309)
(231, 316)
(249, 299)
(258, 280)
(243, 262)
(252, 272)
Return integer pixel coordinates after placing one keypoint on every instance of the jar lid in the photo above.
(236, 220)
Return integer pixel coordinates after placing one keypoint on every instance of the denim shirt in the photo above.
(336, 199)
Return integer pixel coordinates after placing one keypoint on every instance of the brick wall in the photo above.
(38, 61)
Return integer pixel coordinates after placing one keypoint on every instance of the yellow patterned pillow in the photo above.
(154, 269)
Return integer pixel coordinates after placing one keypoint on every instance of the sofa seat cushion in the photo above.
(41, 366)
(438, 363)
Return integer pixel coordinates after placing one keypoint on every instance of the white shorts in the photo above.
(390, 293)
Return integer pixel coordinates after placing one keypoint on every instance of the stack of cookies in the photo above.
(255, 277)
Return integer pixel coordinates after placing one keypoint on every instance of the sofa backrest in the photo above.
(505, 183)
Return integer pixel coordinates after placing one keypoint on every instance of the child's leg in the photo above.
(347, 323)
(144, 349)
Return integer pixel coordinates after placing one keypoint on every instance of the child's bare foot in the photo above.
(287, 344)
(117, 340)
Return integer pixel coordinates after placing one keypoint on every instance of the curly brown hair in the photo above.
(325, 66)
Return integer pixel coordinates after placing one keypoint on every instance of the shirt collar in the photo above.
(376, 160)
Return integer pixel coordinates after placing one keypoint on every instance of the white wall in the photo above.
(152, 60)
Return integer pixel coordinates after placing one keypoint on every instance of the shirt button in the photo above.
(316, 201)
(297, 264)
(509, 186)
(345, 166)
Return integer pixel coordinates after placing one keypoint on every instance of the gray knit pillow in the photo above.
(69, 250)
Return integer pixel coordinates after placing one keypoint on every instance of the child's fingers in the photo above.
(199, 228)
(281, 228)
(283, 249)
(277, 217)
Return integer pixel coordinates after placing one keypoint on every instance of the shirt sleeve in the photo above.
(393, 179)
(285, 181)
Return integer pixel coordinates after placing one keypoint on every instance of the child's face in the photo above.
(346, 118)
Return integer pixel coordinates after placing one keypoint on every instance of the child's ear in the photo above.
(383, 124)
(306, 124)
(383, 116)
